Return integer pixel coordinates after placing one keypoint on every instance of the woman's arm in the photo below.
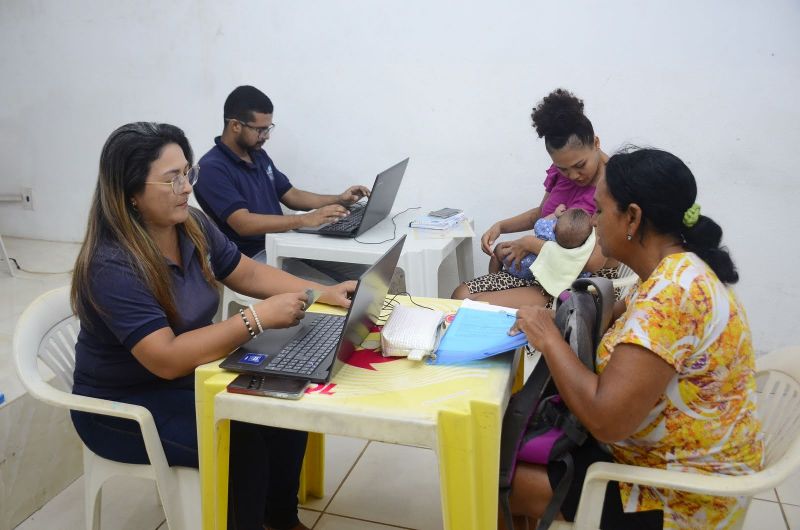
(518, 223)
(170, 356)
(611, 405)
(262, 281)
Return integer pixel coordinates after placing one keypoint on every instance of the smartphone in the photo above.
(269, 385)
(444, 213)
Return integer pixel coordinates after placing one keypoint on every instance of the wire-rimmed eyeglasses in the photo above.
(191, 176)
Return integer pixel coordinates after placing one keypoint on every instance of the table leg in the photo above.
(422, 274)
(312, 475)
(466, 268)
(213, 441)
(469, 463)
(214, 451)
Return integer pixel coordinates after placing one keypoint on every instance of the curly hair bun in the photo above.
(560, 116)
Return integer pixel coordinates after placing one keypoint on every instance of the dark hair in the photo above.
(573, 228)
(559, 117)
(131, 149)
(244, 101)
(124, 165)
(664, 188)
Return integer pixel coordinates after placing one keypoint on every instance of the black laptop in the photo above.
(364, 216)
(318, 346)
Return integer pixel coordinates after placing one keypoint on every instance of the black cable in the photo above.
(404, 293)
(394, 229)
(16, 264)
(391, 302)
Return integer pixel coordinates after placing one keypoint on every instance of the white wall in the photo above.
(358, 85)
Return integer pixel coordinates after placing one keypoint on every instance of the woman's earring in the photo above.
(629, 237)
(133, 203)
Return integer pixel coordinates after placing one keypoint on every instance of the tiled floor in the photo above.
(370, 486)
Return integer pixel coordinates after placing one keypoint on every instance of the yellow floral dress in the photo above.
(705, 422)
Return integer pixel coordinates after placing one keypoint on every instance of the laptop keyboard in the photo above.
(305, 353)
(349, 223)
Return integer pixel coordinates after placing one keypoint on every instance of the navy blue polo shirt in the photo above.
(104, 364)
(227, 183)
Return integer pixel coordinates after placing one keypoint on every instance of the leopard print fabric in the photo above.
(500, 281)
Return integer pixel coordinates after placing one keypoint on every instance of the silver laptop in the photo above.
(363, 217)
(320, 344)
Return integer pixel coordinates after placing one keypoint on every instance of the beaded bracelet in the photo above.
(247, 323)
(258, 320)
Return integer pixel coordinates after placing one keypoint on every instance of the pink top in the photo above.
(564, 191)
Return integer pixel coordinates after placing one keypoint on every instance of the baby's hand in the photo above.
(560, 209)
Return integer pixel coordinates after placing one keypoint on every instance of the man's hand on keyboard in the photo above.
(353, 194)
(326, 214)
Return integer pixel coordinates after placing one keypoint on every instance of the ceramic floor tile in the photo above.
(792, 515)
(41, 256)
(334, 522)
(340, 455)
(128, 504)
(392, 484)
(308, 517)
(789, 491)
(768, 495)
(764, 515)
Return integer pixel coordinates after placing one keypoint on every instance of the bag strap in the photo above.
(520, 408)
(604, 301)
(505, 504)
(559, 494)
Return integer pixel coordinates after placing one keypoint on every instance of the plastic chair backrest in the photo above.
(44, 331)
(57, 351)
(778, 405)
(624, 281)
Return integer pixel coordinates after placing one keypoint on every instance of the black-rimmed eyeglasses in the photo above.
(261, 131)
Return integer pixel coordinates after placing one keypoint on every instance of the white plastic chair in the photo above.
(624, 281)
(778, 408)
(47, 331)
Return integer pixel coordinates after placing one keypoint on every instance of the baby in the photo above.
(568, 227)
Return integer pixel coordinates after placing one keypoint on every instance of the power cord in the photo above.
(16, 264)
(391, 302)
(394, 229)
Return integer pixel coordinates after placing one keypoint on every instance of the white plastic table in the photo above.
(423, 253)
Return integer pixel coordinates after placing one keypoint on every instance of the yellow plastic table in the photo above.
(456, 410)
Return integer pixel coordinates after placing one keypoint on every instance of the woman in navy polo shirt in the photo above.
(145, 289)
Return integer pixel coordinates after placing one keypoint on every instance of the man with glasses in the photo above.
(242, 190)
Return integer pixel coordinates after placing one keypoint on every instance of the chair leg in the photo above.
(92, 502)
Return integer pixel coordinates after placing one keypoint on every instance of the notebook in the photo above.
(364, 217)
(320, 344)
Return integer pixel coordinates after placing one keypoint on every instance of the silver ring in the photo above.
(304, 306)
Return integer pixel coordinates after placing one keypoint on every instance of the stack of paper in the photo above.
(479, 331)
(437, 223)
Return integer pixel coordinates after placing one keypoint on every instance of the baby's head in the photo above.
(573, 228)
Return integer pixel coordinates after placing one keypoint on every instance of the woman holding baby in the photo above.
(578, 164)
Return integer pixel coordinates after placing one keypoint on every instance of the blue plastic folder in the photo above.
(476, 334)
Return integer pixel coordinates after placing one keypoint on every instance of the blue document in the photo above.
(476, 334)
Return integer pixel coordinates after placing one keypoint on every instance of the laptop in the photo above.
(364, 216)
(318, 347)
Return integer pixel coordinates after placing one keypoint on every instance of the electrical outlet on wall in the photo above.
(27, 198)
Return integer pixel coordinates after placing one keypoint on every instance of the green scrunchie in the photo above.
(691, 215)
